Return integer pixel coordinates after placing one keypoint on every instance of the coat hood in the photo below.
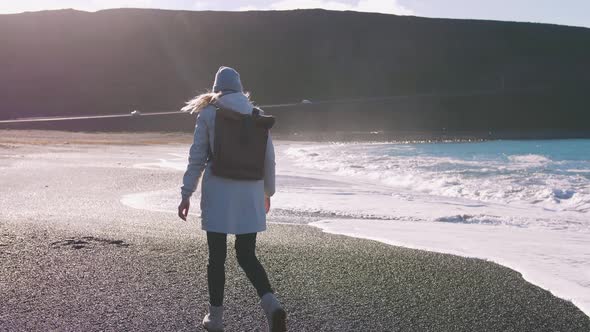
(237, 102)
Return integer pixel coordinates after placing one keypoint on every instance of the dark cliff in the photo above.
(76, 63)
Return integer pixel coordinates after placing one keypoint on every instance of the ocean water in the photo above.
(552, 174)
(522, 204)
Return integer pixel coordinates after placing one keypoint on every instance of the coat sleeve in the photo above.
(198, 156)
(269, 168)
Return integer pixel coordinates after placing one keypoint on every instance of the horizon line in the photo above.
(289, 10)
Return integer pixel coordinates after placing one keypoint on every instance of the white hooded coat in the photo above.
(227, 206)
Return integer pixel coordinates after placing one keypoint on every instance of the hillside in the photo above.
(74, 63)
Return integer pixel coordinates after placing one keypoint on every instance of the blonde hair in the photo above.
(201, 101)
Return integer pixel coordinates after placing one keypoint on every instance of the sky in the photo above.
(566, 12)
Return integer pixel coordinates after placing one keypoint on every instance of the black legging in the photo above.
(246, 254)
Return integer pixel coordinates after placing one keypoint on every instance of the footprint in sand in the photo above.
(88, 242)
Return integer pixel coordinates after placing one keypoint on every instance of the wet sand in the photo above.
(73, 258)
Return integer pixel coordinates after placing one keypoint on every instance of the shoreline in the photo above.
(320, 224)
(332, 227)
(360, 231)
(140, 267)
(145, 139)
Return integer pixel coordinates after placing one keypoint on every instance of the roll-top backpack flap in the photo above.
(239, 145)
(266, 121)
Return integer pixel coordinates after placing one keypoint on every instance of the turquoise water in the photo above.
(556, 150)
(554, 174)
(570, 157)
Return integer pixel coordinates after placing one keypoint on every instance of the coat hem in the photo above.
(233, 232)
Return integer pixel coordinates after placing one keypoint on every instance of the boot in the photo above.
(213, 321)
(275, 314)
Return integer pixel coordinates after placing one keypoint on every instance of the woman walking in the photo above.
(230, 205)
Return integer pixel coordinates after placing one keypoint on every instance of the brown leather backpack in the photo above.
(240, 144)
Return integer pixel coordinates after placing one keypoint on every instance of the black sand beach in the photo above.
(74, 258)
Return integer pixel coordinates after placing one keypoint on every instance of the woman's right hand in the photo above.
(266, 203)
(183, 208)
